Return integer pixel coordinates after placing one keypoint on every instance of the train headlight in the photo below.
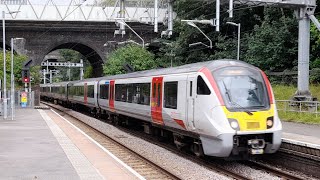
(234, 124)
(269, 122)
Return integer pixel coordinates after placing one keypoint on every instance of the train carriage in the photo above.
(217, 108)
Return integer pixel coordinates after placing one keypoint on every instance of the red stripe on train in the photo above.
(213, 83)
(266, 80)
(180, 122)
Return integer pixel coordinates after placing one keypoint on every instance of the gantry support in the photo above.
(304, 10)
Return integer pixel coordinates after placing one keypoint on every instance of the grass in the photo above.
(283, 92)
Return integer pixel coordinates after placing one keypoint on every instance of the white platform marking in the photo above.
(80, 163)
(103, 148)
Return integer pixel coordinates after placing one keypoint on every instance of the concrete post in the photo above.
(303, 54)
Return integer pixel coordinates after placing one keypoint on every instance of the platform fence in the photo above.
(312, 107)
(21, 100)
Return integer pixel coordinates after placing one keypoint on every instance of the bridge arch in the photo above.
(93, 56)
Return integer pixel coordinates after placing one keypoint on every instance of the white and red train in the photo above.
(221, 108)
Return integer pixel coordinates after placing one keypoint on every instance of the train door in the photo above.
(85, 90)
(191, 94)
(111, 95)
(156, 100)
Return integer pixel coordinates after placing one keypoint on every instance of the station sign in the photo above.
(24, 99)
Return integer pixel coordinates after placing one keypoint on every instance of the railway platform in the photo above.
(301, 134)
(39, 144)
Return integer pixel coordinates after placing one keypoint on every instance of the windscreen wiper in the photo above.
(234, 103)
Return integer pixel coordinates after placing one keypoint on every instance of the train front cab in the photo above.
(238, 117)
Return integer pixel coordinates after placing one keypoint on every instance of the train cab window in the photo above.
(170, 95)
(104, 89)
(202, 88)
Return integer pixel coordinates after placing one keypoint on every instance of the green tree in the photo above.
(273, 44)
(35, 75)
(18, 61)
(139, 58)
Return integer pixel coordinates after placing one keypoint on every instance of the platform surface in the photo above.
(29, 150)
(39, 144)
(305, 133)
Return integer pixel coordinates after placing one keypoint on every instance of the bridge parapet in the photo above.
(141, 12)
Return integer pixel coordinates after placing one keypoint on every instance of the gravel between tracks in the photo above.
(173, 163)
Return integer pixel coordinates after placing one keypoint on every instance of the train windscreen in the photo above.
(242, 88)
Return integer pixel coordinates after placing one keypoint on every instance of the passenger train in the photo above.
(220, 108)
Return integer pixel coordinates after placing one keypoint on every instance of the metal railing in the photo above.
(299, 106)
(19, 103)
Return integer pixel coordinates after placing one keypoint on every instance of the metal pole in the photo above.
(69, 70)
(230, 8)
(171, 56)
(30, 93)
(81, 70)
(155, 15)
(4, 67)
(50, 76)
(217, 15)
(170, 18)
(238, 54)
(125, 24)
(44, 76)
(47, 71)
(1, 97)
(12, 82)
(303, 54)
(122, 16)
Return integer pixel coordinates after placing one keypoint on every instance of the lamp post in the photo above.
(5, 101)
(124, 23)
(192, 23)
(238, 25)
(12, 82)
(4, 67)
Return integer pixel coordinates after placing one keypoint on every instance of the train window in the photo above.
(171, 94)
(202, 88)
(104, 89)
(136, 93)
(121, 92)
(145, 93)
(141, 93)
(90, 92)
(129, 93)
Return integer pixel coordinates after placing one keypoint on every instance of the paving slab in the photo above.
(29, 150)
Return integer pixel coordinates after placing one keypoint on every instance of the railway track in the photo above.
(213, 164)
(141, 165)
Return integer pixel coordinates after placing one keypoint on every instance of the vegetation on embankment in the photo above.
(285, 92)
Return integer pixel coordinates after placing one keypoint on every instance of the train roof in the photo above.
(188, 68)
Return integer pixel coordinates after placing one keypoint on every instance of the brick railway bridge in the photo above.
(87, 28)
